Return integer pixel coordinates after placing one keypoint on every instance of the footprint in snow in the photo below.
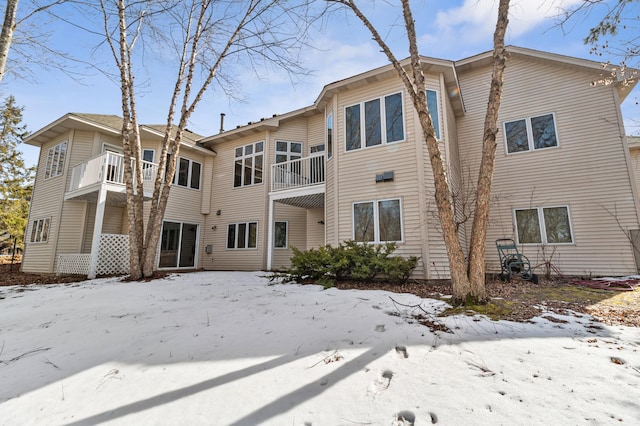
(402, 351)
(380, 328)
(382, 382)
(404, 418)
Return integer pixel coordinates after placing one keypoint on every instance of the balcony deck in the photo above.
(106, 169)
(299, 183)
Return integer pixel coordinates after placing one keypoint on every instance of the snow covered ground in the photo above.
(226, 348)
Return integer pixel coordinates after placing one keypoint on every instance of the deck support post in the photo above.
(270, 234)
(97, 231)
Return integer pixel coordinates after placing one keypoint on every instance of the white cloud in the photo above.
(473, 23)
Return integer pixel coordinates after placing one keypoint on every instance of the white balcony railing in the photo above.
(298, 173)
(108, 167)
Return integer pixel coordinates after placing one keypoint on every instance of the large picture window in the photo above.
(530, 134)
(375, 122)
(40, 230)
(543, 225)
(377, 221)
(55, 160)
(242, 235)
(249, 160)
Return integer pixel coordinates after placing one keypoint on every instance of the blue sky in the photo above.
(447, 29)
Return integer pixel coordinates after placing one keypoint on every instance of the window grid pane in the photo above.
(329, 135)
(183, 172)
(557, 226)
(363, 222)
(231, 236)
(352, 120)
(517, 138)
(432, 105)
(393, 118)
(195, 175)
(253, 235)
(242, 235)
(389, 220)
(280, 237)
(528, 226)
(544, 131)
(372, 117)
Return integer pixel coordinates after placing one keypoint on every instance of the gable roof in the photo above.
(106, 123)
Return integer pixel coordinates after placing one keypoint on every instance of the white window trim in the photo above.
(383, 123)
(253, 168)
(48, 169)
(33, 238)
(530, 142)
(246, 247)
(190, 170)
(376, 222)
(286, 239)
(542, 224)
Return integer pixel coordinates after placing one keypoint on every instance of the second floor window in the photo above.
(432, 104)
(55, 160)
(188, 173)
(375, 122)
(248, 164)
(531, 133)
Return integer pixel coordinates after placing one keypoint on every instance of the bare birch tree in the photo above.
(468, 277)
(206, 35)
(8, 28)
(26, 36)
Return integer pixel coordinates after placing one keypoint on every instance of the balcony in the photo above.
(300, 182)
(106, 169)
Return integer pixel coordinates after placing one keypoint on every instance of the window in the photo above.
(242, 235)
(432, 104)
(148, 154)
(375, 122)
(248, 164)
(330, 135)
(543, 225)
(55, 160)
(280, 235)
(377, 221)
(40, 230)
(188, 173)
(530, 134)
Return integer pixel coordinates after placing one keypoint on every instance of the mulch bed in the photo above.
(13, 276)
(531, 300)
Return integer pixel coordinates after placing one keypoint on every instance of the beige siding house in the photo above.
(354, 166)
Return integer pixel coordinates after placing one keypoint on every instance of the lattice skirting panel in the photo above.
(77, 264)
(114, 254)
